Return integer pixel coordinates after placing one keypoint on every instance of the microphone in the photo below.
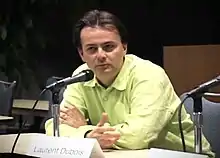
(204, 87)
(83, 76)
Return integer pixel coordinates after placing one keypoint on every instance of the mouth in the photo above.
(101, 65)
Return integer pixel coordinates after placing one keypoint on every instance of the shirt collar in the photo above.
(120, 83)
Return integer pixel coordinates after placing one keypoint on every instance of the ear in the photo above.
(80, 51)
(125, 47)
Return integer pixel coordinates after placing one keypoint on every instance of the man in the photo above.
(130, 103)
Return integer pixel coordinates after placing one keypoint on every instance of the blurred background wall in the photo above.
(36, 35)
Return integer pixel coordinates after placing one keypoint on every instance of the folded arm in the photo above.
(74, 124)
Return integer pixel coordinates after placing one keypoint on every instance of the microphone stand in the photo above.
(83, 76)
(198, 119)
(55, 111)
(198, 123)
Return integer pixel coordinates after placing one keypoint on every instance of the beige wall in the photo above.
(189, 66)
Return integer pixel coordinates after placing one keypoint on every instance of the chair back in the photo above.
(211, 121)
(6, 97)
(49, 94)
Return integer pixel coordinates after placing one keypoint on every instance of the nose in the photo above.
(101, 55)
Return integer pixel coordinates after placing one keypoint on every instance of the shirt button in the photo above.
(105, 98)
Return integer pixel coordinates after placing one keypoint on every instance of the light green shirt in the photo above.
(141, 103)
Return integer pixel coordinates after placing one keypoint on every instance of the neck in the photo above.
(108, 79)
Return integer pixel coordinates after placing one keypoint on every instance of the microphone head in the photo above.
(89, 75)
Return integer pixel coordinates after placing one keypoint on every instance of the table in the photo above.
(126, 153)
(5, 118)
(33, 144)
(24, 107)
(25, 141)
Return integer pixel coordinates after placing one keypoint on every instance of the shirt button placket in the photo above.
(105, 95)
(105, 98)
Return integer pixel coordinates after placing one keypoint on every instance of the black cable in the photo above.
(24, 123)
(180, 123)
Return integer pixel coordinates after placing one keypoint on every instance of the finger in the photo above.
(70, 110)
(112, 134)
(103, 120)
(68, 107)
(113, 137)
(109, 139)
(107, 125)
(64, 110)
(103, 129)
(64, 122)
(61, 120)
(67, 111)
(63, 116)
(106, 143)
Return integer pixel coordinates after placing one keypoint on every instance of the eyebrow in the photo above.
(108, 42)
(88, 45)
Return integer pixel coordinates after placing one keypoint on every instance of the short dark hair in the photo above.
(98, 18)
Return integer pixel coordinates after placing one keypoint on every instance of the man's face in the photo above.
(102, 50)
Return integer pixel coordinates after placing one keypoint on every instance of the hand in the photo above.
(72, 117)
(105, 135)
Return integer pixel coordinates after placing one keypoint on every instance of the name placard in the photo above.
(40, 145)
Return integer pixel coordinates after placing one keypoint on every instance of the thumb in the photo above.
(103, 120)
